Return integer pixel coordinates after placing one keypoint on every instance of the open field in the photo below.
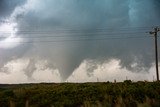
(126, 94)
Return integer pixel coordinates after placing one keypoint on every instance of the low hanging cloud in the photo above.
(88, 71)
(91, 71)
(15, 72)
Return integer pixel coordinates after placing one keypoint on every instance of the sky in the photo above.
(77, 40)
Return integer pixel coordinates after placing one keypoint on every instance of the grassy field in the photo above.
(125, 94)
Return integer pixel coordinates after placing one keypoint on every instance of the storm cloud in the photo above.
(8, 6)
(68, 32)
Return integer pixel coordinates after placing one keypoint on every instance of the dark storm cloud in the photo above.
(8, 6)
(75, 14)
(87, 16)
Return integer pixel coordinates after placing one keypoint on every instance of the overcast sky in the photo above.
(74, 40)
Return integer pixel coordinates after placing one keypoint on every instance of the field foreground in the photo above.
(126, 94)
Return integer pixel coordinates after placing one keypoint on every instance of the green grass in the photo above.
(126, 94)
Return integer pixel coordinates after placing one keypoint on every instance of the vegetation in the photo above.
(126, 94)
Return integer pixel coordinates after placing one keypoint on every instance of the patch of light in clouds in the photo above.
(8, 32)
